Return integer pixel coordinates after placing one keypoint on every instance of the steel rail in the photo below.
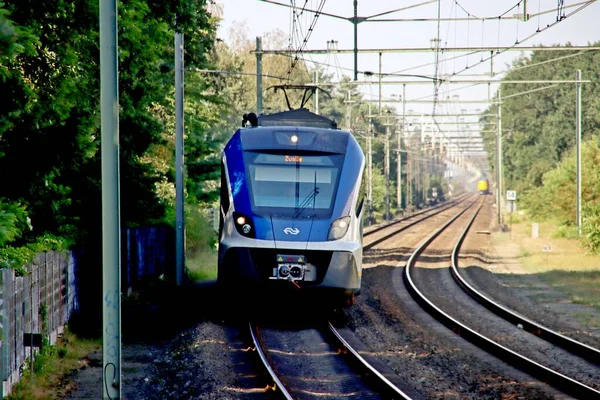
(278, 384)
(412, 223)
(445, 204)
(389, 385)
(533, 368)
(580, 349)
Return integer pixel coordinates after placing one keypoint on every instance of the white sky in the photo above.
(580, 28)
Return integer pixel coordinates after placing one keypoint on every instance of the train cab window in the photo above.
(286, 183)
(224, 192)
(362, 197)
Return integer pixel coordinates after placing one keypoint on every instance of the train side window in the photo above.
(224, 190)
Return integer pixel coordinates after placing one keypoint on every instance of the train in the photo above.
(291, 207)
(483, 186)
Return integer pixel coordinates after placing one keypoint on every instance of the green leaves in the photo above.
(50, 121)
(539, 127)
(13, 222)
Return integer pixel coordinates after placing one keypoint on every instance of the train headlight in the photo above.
(338, 228)
(243, 225)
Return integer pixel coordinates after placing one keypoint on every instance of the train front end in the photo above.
(291, 216)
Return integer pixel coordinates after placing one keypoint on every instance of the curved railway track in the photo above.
(362, 376)
(410, 221)
(336, 365)
(380, 384)
(580, 349)
(560, 381)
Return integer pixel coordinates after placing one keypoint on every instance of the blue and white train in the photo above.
(291, 207)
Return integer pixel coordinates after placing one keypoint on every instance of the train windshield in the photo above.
(293, 184)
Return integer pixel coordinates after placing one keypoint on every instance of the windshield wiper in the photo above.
(308, 199)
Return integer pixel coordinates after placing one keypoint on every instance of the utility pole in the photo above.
(370, 168)
(387, 168)
(348, 111)
(380, 74)
(409, 173)
(499, 148)
(179, 165)
(259, 95)
(578, 133)
(355, 22)
(399, 171)
(425, 175)
(399, 158)
(316, 104)
(111, 216)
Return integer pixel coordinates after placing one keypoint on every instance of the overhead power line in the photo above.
(302, 45)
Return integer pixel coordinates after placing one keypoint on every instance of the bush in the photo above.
(18, 257)
(14, 221)
(566, 232)
(590, 227)
(199, 233)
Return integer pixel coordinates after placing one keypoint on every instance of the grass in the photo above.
(51, 366)
(202, 266)
(567, 266)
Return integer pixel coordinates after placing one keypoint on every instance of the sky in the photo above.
(579, 28)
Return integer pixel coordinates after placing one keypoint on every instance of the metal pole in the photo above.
(111, 232)
(500, 187)
(179, 173)
(370, 168)
(355, 22)
(578, 132)
(259, 95)
(380, 73)
(316, 92)
(387, 169)
(399, 172)
(400, 133)
(425, 163)
(348, 111)
(409, 173)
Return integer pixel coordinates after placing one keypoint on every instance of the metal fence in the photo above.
(38, 305)
(35, 306)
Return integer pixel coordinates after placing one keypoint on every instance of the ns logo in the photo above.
(291, 231)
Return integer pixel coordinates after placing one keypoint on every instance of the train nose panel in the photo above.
(292, 231)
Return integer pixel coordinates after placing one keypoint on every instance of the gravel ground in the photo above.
(205, 354)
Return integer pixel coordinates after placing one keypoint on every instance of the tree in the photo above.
(49, 126)
(539, 127)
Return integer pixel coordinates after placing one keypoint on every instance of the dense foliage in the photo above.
(539, 135)
(50, 121)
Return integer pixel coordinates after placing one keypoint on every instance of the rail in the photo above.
(556, 379)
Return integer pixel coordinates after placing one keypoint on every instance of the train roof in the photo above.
(298, 117)
(275, 131)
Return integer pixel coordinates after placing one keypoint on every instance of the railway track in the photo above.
(341, 370)
(330, 366)
(387, 231)
(536, 369)
(580, 349)
(321, 362)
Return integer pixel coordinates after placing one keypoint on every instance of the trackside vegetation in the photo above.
(538, 139)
